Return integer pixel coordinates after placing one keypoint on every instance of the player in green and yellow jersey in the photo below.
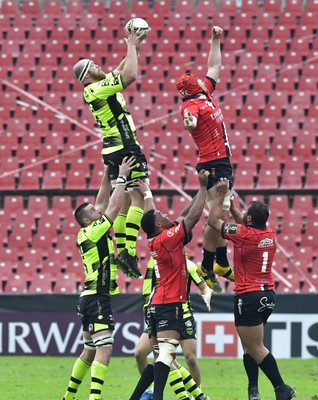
(102, 93)
(94, 304)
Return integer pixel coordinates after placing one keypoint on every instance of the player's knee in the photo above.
(105, 340)
(167, 350)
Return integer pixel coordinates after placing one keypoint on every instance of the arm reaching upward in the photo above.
(196, 210)
(214, 59)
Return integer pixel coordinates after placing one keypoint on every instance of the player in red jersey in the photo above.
(254, 249)
(203, 118)
(165, 311)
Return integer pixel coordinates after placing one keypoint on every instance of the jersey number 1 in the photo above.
(265, 260)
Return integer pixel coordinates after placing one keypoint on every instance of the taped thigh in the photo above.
(103, 340)
(167, 350)
(89, 344)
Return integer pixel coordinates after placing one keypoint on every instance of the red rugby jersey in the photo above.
(170, 266)
(210, 135)
(254, 251)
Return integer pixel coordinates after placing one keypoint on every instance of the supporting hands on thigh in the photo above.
(126, 166)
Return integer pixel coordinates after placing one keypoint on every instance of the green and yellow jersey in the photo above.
(97, 251)
(108, 107)
(149, 282)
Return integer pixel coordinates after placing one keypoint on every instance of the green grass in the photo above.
(46, 378)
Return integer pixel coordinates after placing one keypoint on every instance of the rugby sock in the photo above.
(208, 261)
(221, 256)
(176, 382)
(134, 216)
(144, 382)
(270, 369)
(251, 369)
(192, 388)
(160, 372)
(98, 375)
(119, 227)
(79, 371)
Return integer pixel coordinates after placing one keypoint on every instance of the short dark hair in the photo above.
(148, 223)
(78, 213)
(259, 212)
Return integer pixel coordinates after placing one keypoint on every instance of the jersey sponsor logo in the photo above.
(230, 229)
(267, 242)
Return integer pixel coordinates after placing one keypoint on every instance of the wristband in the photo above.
(121, 180)
(148, 194)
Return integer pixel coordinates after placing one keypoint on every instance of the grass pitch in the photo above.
(46, 378)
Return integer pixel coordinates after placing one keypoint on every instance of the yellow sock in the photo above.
(98, 376)
(79, 371)
(120, 231)
(133, 220)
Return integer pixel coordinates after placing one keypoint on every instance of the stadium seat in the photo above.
(281, 147)
(272, 6)
(249, 6)
(294, 7)
(31, 8)
(41, 283)
(267, 179)
(52, 180)
(76, 180)
(13, 205)
(292, 178)
(29, 180)
(95, 180)
(244, 177)
(16, 284)
(52, 8)
(311, 179)
(66, 283)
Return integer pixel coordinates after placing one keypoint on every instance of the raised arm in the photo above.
(196, 210)
(117, 197)
(102, 198)
(236, 213)
(214, 58)
(128, 68)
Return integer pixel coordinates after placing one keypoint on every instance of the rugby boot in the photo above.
(226, 272)
(123, 267)
(253, 393)
(285, 392)
(210, 279)
(131, 262)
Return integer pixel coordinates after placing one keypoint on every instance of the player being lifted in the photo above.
(203, 118)
(102, 92)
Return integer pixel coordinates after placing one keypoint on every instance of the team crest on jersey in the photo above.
(188, 323)
(267, 242)
(230, 229)
(170, 233)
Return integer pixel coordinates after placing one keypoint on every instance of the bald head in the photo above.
(81, 68)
